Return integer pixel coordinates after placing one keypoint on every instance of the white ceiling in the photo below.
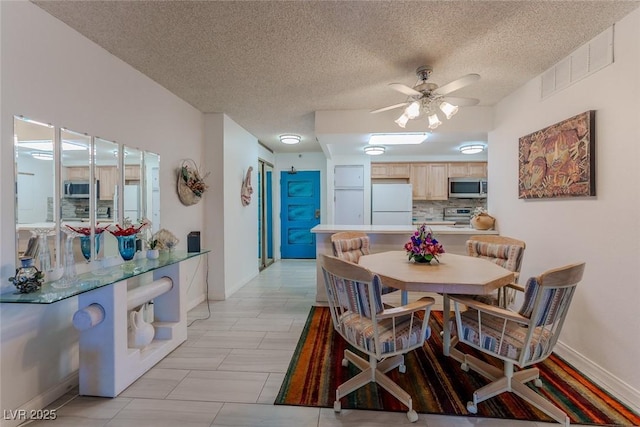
(276, 67)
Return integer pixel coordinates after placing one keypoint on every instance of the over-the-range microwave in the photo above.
(79, 189)
(467, 188)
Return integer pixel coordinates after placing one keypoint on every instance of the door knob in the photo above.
(317, 213)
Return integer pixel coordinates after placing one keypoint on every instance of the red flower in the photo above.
(132, 229)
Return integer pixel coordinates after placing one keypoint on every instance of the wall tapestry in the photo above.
(559, 160)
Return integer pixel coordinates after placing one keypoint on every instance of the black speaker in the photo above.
(193, 241)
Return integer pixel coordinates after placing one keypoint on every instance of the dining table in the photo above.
(449, 274)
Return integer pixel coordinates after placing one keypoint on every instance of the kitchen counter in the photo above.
(384, 238)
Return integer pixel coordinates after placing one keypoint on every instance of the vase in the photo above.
(422, 259)
(127, 246)
(153, 253)
(69, 276)
(28, 278)
(140, 332)
(85, 245)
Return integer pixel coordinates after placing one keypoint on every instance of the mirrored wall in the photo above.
(73, 185)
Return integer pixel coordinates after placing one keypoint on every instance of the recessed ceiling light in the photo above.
(397, 138)
(290, 139)
(374, 150)
(472, 149)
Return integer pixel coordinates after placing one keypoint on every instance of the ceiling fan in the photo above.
(427, 97)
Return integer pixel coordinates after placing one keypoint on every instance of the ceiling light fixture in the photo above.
(397, 138)
(290, 139)
(374, 150)
(472, 149)
(47, 145)
(42, 156)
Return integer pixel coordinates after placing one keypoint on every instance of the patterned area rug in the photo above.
(436, 383)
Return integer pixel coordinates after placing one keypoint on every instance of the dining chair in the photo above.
(505, 251)
(384, 335)
(519, 339)
(350, 246)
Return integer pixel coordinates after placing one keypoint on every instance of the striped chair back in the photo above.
(506, 253)
(350, 245)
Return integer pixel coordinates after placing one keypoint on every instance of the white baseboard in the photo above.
(43, 399)
(193, 303)
(609, 382)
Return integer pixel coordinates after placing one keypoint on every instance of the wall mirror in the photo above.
(107, 174)
(35, 202)
(151, 189)
(132, 191)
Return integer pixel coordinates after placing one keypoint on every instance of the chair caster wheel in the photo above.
(345, 362)
(402, 369)
(412, 416)
(473, 409)
(464, 366)
(537, 382)
(337, 407)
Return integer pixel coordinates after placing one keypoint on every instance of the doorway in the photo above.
(299, 213)
(265, 214)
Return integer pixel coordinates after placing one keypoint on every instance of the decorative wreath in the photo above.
(191, 185)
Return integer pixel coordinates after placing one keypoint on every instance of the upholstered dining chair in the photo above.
(505, 251)
(384, 335)
(350, 246)
(519, 339)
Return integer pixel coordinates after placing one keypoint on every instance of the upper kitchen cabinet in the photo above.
(77, 173)
(429, 181)
(131, 172)
(391, 170)
(468, 169)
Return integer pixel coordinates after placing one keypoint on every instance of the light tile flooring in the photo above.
(229, 370)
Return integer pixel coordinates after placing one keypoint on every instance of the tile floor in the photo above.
(229, 370)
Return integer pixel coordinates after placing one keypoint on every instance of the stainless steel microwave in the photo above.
(79, 189)
(467, 188)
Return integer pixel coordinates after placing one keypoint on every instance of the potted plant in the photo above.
(153, 252)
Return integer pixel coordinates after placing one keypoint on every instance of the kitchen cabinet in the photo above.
(390, 170)
(132, 173)
(108, 177)
(77, 173)
(468, 170)
(348, 176)
(429, 181)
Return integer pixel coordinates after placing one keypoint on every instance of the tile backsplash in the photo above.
(433, 210)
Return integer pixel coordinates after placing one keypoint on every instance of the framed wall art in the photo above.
(559, 160)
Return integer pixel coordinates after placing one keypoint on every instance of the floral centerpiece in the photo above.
(423, 247)
(191, 185)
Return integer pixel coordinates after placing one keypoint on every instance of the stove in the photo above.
(459, 215)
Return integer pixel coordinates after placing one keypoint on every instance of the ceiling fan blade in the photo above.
(461, 102)
(404, 89)
(390, 107)
(457, 84)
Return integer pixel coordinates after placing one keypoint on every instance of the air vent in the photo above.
(584, 61)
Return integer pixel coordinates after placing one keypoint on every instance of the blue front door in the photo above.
(299, 213)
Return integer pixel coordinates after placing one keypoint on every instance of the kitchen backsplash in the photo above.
(433, 210)
(74, 209)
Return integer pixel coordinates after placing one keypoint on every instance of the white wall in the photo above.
(232, 229)
(51, 73)
(601, 334)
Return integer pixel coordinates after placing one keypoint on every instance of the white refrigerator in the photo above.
(391, 204)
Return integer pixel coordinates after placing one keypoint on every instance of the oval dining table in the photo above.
(451, 274)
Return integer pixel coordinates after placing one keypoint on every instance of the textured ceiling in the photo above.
(270, 65)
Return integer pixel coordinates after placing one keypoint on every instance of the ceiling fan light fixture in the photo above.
(448, 109)
(413, 110)
(290, 139)
(374, 150)
(434, 120)
(402, 120)
(472, 149)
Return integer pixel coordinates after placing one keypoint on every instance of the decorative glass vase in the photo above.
(69, 276)
(85, 245)
(44, 256)
(28, 278)
(127, 246)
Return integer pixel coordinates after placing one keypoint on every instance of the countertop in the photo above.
(397, 229)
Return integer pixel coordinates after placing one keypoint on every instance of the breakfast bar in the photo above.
(385, 238)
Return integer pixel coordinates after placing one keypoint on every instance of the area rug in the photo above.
(436, 383)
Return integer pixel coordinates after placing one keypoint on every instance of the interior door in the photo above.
(299, 213)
